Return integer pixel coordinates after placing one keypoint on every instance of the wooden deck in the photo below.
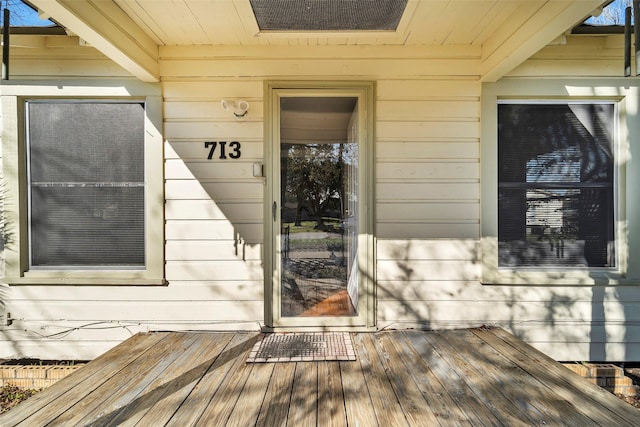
(463, 377)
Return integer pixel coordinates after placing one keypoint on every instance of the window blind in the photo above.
(555, 185)
(86, 181)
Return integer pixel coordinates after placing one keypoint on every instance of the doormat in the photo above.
(302, 347)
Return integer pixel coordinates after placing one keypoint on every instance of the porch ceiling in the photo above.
(505, 32)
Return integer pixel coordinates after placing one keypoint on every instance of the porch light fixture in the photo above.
(238, 106)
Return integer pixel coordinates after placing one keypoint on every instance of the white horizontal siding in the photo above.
(580, 55)
(180, 209)
(194, 149)
(427, 165)
(329, 68)
(63, 57)
(568, 322)
(427, 208)
(214, 208)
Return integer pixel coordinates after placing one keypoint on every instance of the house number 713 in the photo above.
(234, 149)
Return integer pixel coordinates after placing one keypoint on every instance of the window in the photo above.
(86, 184)
(83, 185)
(556, 185)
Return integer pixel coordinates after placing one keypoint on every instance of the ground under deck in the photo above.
(463, 377)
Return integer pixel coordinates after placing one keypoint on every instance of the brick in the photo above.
(605, 371)
(626, 390)
(578, 369)
(619, 381)
(7, 372)
(60, 372)
(28, 376)
(31, 372)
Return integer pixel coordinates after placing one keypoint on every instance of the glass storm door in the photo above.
(316, 210)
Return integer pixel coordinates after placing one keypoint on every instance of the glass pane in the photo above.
(554, 228)
(87, 226)
(319, 198)
(86, 180)
(556, 204)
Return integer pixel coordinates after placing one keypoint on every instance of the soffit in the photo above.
(424, 22)
(506, 32)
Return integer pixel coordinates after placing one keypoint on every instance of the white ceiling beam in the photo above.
(103, 25)
(553, 19)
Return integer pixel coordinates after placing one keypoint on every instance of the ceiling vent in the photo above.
(328, 15)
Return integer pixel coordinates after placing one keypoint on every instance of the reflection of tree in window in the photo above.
(314, 180)
(555, 185)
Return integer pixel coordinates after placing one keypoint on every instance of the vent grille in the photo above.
(328, 15)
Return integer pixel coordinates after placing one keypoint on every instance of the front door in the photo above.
(320, 227)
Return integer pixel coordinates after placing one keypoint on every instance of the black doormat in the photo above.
(302, 347)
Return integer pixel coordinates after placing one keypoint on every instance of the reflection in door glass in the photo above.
(319, 199)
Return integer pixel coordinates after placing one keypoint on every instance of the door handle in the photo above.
(274, 209)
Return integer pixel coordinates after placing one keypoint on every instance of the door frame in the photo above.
(366, 318)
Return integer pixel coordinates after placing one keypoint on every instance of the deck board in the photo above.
(443, 406)
(227, 395)
(489, 393)
(521, 388)
(385, 401)
(331, 410)
(590, 400)
(127, 385)
(454, 381)
(207, 388)
(162, 398)
(304, 396)
(275, 407)
(410, 398)
(83, 381)
(357, 400)
(250, 399)
(447, 378)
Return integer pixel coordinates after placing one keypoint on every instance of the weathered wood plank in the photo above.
(518, 386)
(455, 383)
(513, 394)
(444, 407)
(219, 410)
(163, 397)
(79, 401)
(82, 382)
(128, 383)
(485, 392)
(465, 377)
(385, 402)
(331, 410)
(303, 410)
(231, 359)
(357, 400)
(414, 406)
(275, 406)
(595, 402)
(247, 409)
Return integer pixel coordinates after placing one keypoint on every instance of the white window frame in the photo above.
(14, 162)
(564, 91)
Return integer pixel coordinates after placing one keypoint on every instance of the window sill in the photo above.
(87, 281)
(558, 278)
